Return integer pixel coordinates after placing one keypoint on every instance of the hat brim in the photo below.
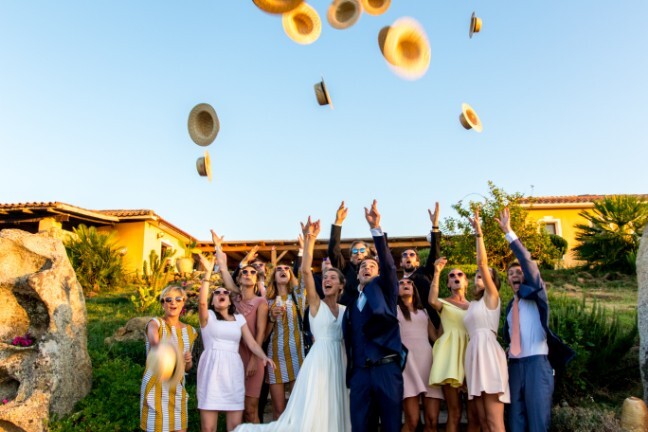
(277, 7)
(407, 30)
(179, 366)
(373, 10)
(294, 21)
(469, 118)
(475, 25)
(203, 124)
(333, 14)
(322, 94)
(203, 166)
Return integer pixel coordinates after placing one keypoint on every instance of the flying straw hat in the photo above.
(302, 24)
(475, 24)
(469, 118)
(375, 7)
(406, 47)
(203, 165)
(166, 363)
(323, 97)
(343, 14)
(203, 124)
(277, 6)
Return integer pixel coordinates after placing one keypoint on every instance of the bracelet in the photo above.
(435, 227)
(478, 235)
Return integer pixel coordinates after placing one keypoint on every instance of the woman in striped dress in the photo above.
(286, 302)
(163, 408)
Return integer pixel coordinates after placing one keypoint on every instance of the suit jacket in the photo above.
(382, 298)
(533, 288)
(349, 270)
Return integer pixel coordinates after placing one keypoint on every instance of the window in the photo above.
(550, 227)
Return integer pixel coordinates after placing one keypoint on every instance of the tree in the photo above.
(459, 246)
(610, 240)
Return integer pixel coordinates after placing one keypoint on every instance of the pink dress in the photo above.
(414, 335)
(486, 368)
(248, 308)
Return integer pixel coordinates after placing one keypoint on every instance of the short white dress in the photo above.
(221, 378)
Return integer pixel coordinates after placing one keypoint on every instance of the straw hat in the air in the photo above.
(203, 124)
(343, 14)
(469, 118)
(302, 24)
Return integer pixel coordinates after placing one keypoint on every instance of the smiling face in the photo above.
(173, 302)
(331, 284)
(409, 260)
(368, 270)
(457, 280)
(515, 277)
(359, 251)
(405, 287)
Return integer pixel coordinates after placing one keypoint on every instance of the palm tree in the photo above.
(611, 239)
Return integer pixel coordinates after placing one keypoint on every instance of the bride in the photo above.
(320, 400)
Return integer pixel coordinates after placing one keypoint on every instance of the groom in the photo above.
(372, 340)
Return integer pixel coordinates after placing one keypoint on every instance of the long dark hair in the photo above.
(231, 309)
(496, 280)
(416, 301)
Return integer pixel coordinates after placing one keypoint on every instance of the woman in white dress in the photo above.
(220, 377)
(320, 400)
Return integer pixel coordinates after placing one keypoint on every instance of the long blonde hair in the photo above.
(271, 289)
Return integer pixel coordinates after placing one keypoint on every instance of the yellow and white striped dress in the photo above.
(164, 408)
(286, 345)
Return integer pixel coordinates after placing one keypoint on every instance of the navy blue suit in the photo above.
(531, 378)
(374, 350)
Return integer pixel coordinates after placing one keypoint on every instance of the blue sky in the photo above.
(94, 98)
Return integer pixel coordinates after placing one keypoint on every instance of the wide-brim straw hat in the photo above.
(203, 124)
(203, 166)
(375, 7)
(469, 118)
(342, 14)
(475, 25)
(302, 24)
(277, 6)
(166, 363)
(634, 415)
(406, 47)
(322, 94)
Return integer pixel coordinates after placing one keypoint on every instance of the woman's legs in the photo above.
(431, 407)
(208, 420)
(233, 419)
(251, 414)
(473, 416)
(453, 401)
(478, 404)
(494, 412)
(278, 395)
(412, 413)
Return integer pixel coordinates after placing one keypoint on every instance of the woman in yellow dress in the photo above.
(450, 349)
(164, 406)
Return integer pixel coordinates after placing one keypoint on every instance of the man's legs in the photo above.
(539, 393)
(363, 408)
(387, 381)
(517, 410)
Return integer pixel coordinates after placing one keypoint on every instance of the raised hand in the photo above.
(311, 229)
(372, 215)
(434, 217)
(207, 263)
(475, 222)
(218, 241)
(439, 264)
(250, 255)
(341, 214)
(504, 220)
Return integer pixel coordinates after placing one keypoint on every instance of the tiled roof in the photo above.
(128, 213)
(571, 199)
(31, 204)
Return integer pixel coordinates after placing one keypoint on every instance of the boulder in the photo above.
(642, 308)
(41, 297)
(134, 330)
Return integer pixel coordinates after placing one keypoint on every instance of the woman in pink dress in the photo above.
(486, 368)
(416, 329)
(255, 311)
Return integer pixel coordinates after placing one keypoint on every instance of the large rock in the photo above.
(642, 307)
(134, 330)
(41, 296)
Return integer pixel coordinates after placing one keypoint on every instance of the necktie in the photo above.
(515, 330)
(361, 301)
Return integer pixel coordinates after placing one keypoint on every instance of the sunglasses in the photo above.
(170, 299)
(356, 251)
(283, 268)
(221, 291)
(250, 272)
(408, 254)
(456, 275)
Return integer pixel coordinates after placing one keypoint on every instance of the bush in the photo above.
(566, 419)
(559, 243)
(95, 258)
(610, 239)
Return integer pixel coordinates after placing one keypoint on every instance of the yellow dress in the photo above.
(449, 350)
(164, 408)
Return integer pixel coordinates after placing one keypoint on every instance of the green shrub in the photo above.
(566, 419)
(95, 257)
(155, 275)
(559, 243)
(610, 239)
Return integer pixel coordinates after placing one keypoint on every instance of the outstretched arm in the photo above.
(334, 248)
(433, 297)
(255, 347)
(310, 231)
(435, 241)
(388, 277)
(203, 295)
(246, 259)
(221, 260)
(491, 295)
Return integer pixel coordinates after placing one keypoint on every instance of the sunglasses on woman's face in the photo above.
(170, 299)
(221, 291)
(249, 271)
(356, 251)
(283, 268)
(456, 275)
(409, 254)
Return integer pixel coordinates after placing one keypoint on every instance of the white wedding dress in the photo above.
(319, 401)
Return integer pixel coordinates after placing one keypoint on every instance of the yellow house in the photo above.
(560, 215)
(137, 231)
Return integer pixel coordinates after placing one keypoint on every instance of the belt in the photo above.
(391, 358)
